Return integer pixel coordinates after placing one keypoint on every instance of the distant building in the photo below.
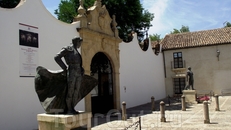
(208, 53)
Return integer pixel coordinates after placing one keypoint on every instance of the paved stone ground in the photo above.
(176, 119)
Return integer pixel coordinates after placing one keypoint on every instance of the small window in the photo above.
(179, 85)
(177, 59)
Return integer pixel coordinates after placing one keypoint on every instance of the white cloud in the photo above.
(196, 14)
(157, 7)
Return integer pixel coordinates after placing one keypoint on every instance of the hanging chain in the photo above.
(136, 124)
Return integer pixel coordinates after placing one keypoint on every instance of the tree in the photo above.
(155, 37)
(183, 29)
(227, 24)
(130, 15)
(9, 3)
(174, 31)
(66, 11)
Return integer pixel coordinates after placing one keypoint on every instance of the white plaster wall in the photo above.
(210, 74)
(19, 104)
(142, 73)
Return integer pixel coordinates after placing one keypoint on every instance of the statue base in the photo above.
(190, 96)
(81, 121)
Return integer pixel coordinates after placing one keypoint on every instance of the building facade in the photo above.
(207, 52)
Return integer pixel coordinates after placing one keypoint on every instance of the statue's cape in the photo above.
(51, 88)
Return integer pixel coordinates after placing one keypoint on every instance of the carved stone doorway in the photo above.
(99, 33)
(102, 95)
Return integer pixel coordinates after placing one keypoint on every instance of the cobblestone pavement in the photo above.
(176, 119)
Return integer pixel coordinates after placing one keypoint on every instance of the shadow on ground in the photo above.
(170, 104)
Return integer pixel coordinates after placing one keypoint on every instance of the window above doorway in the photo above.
(178, 60)
(178, 64)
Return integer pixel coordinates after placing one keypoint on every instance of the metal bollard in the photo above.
(162, 112)
(206, 112)
(124, 117)
(153, 103)
(183, 103)
(217, 102)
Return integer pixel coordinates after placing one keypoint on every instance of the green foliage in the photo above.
(175, 31)
(9, 3)
(67, 10)
(130, 15)
(155, 37)
(227, 24)
(183, 29)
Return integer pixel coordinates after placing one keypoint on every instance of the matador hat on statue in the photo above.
(77, 38)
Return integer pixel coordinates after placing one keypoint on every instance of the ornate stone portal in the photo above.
(99, 34)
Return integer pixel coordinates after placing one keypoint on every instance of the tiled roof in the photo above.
(154, 43)
(197, 39)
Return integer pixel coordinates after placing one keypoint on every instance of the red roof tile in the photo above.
(196, 39)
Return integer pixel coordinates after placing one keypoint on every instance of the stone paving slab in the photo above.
(191, 119)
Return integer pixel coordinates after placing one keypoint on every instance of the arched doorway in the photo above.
(102, 95)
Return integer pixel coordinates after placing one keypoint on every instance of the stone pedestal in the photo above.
(190, 96)
(80, 121)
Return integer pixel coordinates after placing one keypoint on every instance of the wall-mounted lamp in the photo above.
(218, 54)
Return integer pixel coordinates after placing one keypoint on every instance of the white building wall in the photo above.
(141, 73)
(19, 104)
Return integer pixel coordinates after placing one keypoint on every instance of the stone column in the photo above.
(162, 112)
(206, 112)
(153, 103)
(217, 102)
(183, 103)
(124, 117)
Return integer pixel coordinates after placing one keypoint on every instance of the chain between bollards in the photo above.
(136, 124)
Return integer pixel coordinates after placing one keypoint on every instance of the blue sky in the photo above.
(196, 14)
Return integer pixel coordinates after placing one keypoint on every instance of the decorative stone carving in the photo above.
(100, 37)
(114, 24)
(97, 19)
(82, 17)
(98, 3)
(101, 19)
